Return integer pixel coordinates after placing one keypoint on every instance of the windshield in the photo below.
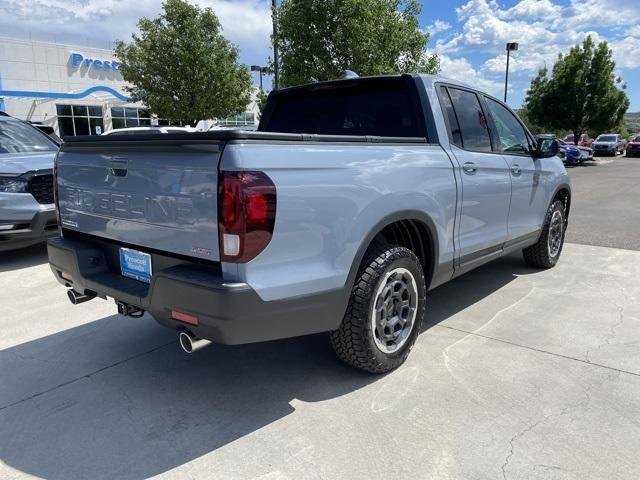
(606, 138)
(18, 137)
(636, 139)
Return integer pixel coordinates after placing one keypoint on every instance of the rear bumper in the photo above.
(37, 230)
(228, 313)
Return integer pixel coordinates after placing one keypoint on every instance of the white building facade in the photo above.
(76, 90)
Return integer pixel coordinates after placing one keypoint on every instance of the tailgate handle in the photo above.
(118, 168)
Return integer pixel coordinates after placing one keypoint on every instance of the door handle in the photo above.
(515, 169)
(469, 167)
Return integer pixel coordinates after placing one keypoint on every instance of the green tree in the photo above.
(526, 118)
(320, 39)
(582, 93)
(182, 67)
(262, 100)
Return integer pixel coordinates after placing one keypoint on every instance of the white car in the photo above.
(138, 130)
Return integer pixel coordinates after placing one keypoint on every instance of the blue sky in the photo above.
(469, 35)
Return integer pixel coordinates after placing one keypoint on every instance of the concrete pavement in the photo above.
(517, 374)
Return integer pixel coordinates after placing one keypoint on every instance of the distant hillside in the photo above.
(632, 122)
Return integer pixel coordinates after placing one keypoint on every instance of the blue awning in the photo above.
(65, 96)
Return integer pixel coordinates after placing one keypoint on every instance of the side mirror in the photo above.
(546, 148)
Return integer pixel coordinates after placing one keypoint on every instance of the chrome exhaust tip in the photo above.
(190, 343)
(77, 297)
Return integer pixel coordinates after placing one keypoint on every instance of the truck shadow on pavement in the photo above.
(23, 258)
(472, 287)
(116, 398)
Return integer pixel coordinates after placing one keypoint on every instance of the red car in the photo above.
(585, 140)
(633, 147)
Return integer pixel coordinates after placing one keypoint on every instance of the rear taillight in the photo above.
(55, 189)
(246, 214)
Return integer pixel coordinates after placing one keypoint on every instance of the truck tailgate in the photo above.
(155, 194)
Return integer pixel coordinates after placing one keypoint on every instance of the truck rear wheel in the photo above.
(385, 310)
(546, 252)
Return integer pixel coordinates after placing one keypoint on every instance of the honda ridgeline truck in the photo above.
(351, 201)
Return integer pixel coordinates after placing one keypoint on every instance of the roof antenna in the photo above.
(350, 74)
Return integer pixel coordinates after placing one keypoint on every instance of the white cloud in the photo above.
(534, 10)
(437, 27)
(626, 52)
(600, 13)
(246, 23)
(460, 69)
(543, 29)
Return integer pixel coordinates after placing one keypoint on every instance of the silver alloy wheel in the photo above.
(394, 310)
(554, 240)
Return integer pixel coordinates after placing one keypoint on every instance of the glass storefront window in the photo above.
(79, 110)
(79, 120)
(123, 117)
(246, 118)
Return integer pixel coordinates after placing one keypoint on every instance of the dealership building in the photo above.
(77, 90)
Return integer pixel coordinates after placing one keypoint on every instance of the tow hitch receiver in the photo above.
(129, 310)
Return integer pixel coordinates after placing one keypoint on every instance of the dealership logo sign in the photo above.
(77, 59)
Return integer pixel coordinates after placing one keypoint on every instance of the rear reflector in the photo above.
(184, 317)
(66, 276)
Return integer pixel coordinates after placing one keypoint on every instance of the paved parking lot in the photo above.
(607, 208)
(518, 374)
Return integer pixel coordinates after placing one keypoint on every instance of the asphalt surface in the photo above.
(518, 374)
(606, 203)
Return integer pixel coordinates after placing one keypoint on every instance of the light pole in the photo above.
(274, 11)
(258, 68)
(513, 46)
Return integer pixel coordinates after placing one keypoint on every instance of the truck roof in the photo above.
(429, 80)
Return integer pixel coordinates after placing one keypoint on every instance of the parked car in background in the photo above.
(27, 213)
(608, 144)
(585, 140)
(633, 147)
(148, 130)
(353, 199)
(570, 154)
(569, 140)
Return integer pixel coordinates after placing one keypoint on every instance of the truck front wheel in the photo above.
(385, 310)
(546, 252)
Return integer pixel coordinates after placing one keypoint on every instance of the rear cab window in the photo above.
(383, 107)
(466, 120)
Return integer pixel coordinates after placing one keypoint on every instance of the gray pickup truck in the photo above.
(353, 199)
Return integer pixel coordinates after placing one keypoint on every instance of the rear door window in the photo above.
(472, 121)
(378, 107)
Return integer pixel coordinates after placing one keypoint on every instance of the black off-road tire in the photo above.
(539, 255)
(354, 341)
